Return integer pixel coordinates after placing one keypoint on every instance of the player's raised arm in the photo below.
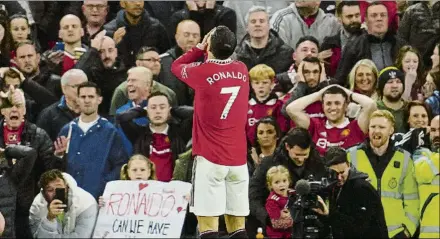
(185, 67)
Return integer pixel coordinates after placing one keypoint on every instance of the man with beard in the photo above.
(349, 15)
(164, 138)
(391, 172)
(90, 144)
(28, 62)
(301, 18)
(390, 88)
(133, 28)
(335, 129)
(377, 44)
(434, 134)
(102, 67)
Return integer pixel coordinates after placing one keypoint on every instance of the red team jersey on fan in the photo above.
(345, 135)
(220, 106)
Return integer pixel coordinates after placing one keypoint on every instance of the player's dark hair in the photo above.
(335, 155)
(297, 137)
(223, 43)
(375, 3)
(343, 4)
(334, 90)
(266, 120)
(159, 93)
(312, 59)
(89, 84)
(307, 38)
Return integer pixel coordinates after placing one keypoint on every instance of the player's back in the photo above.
(220, 112)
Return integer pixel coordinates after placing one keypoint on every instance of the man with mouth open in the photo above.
(391, 172)
(335, 129)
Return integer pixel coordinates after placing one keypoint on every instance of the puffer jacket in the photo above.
(36, 138)
(10, 179)
(420, 23)
(148, 32)
(276, 54)
(79, 221)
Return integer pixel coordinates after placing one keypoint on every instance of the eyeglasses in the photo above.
(98, 7)
(154, 60)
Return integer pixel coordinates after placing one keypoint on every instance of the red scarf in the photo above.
(12, 136)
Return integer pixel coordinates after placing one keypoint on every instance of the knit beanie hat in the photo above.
(387, 74)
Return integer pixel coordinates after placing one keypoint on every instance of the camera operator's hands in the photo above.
(56, 207)
(323, 210)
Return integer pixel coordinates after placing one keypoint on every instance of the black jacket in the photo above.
(148, 32)
(258, 191)
(11, 179)
(53, 118)
(207, 19)
(179, 132)
(37, 139)
(106, 79)
(276, 54)
(357, 211)
(359, 49)
(184, 94)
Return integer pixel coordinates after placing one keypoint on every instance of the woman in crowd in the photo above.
(5, 43)
(409, 61)
(417, 115)
(20, 29)
(363, 78)
(432, 85)
(267, 135)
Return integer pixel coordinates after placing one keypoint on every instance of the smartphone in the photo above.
(59, 46)
(60, 194)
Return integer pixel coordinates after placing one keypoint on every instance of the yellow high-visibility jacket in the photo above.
(428, 178)
(397, 188)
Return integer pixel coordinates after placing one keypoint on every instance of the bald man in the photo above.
(102, 67)
(434, 134)
(187, 36)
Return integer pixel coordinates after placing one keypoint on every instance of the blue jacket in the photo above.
(434, 102)
(96, 157)
(141, 121)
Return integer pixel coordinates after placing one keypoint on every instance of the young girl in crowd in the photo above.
(410, 62)
(20, 29)
(138, 167)
(278, 182)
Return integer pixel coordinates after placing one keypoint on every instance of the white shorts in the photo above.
(218, 189)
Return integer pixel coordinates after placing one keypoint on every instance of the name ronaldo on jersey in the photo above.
(226, 75)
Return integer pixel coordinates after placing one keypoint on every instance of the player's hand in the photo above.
(61, 146)
(56, 207)
(204, 44)
(119, 34)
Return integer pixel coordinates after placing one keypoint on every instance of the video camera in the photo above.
(308, 190)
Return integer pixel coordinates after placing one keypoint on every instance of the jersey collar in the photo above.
(341, 126)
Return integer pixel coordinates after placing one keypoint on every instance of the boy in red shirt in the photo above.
(263, 103)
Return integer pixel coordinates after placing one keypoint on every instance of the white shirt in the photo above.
(86, 126)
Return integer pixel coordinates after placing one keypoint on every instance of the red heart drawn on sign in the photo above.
(142, 186)
(180, 209)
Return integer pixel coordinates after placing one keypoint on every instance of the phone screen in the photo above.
(59, 46)
(60, 194)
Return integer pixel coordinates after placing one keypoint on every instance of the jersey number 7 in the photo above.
(234, 92)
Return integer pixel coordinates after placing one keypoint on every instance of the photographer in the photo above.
(69, 214)
(298, 155)
(15, 166)
(355, 206)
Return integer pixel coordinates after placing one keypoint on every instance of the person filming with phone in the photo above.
(62, 209)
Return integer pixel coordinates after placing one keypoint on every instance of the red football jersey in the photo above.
(220, 106)
(257, 110)
(274, 205)
(314, 111)
(345, 135)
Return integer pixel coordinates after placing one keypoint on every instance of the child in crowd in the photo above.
(278, 182)
(138, 167)
(263, 102)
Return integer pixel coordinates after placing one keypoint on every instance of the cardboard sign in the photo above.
(143, 209)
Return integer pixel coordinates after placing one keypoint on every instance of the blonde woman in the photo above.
(363, 80)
